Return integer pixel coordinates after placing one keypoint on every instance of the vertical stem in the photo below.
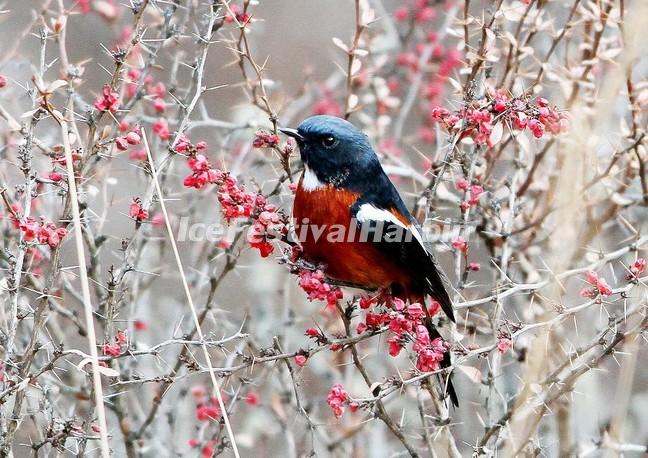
(85, 291)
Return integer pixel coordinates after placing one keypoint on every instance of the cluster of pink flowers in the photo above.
(158, 91)
(263, 139)
(3, 81)
(43, 231)
(477, 120)
(447, 60)
(472, 193)
(124, 40)
(236, 201)
(202, 173)
(406, 323)
(207, 450)
(422, 11)
(503, 344)
(132, 79)
(269, 220)
(136, 211)
(327, 105)
(301, 358)
(116, 347)
(317, 335)
(338, 399)
(599, 286)
(252, 399)
(460, 244)
(238, 13)
(108, 100)
(184, 145)
(58, 156)
(85, 6)
(636, 269)
(443, 59)
(130, 139)
(35, 261)
(161, 129)
(207, 407)
(430, 352)
(155, 91)
(313, 282)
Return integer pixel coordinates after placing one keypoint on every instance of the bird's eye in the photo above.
(329, 142)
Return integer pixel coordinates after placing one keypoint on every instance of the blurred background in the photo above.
(554, 208)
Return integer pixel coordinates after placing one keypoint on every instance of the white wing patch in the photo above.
(310, 182)
(368, 212)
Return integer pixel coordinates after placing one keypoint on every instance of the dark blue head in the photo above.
(333, 148)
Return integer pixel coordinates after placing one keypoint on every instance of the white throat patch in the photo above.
(310, 182)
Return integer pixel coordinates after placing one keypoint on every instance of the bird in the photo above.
(343, 185)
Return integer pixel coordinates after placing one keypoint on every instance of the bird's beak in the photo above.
(294, 133)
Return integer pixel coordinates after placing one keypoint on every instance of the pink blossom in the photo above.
(158, 89)
(327, 106)
(133, 138)
(362, 327)
(459, 243)
(315, 286)
(425, 14)
(108, 101)
(366, 302)
(121, 143)
(591, 277)
(636, 269)
(55, 176)
(161, 129)
(401, 13)
(252, 399)
(138, 155)
(415, 311)
(503, 344)
(199, 393)
(395, 346)
(435, 307)
(112, 349)
(337, 399)
(462, 184)
(159, 105)
(264, 139)
(208, 412)
(536, 127)
(136, 211)
(300, 360)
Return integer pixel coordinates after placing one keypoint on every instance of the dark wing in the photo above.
(400, 236)
(387, 223)
(382, 214)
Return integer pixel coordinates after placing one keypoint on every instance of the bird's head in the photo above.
(331, 146)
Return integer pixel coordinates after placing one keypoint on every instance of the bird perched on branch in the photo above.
(380, 246)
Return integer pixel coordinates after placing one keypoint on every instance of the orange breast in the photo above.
(322, 220)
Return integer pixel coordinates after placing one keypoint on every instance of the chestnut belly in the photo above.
(324, 227)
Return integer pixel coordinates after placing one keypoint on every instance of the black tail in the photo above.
(445, 380)
(437, 290)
